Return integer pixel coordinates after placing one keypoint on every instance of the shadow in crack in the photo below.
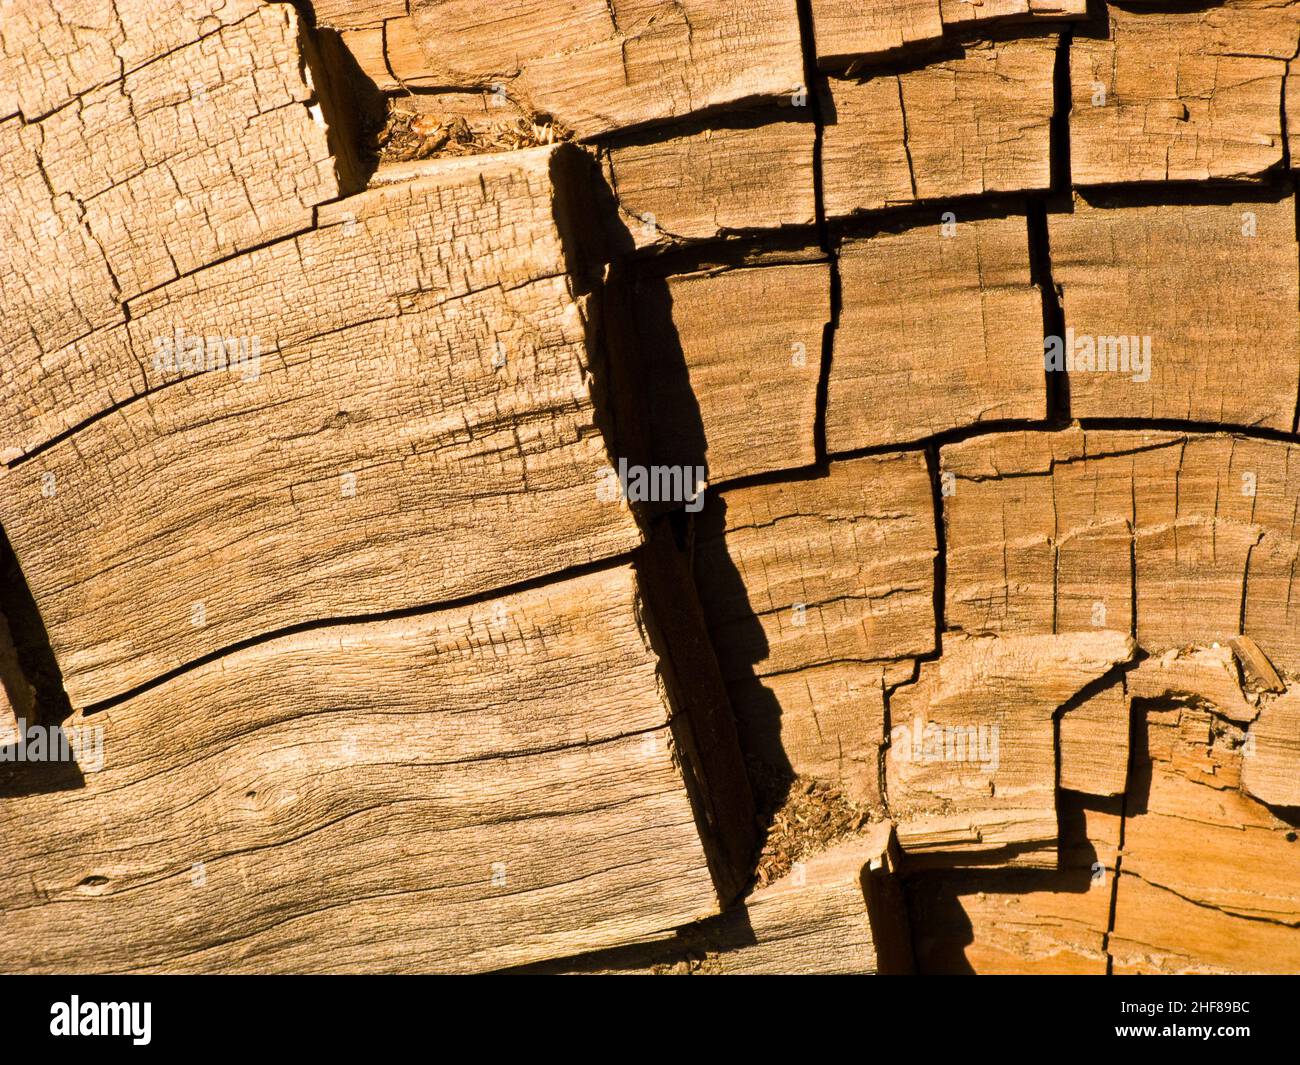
(352, 105)
(34, 687)
(992, 920)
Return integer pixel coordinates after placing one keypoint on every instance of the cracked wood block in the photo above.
(819, 592)
(847, 29)
(936, 331)
(262, 801)
(1271, 760)
(707, 180)
(46, 315)
(1046, 531)
(53, 51)
(1182, 95)
(840, 912)
(1092, 740)
(724, 372)
(976, 12)
(971, 763)
(1023, 921)
(1207, 293)
(149, 176)
(419, 427)
(857, 31)
(596, 66)
(213, 148)
(1255, 666)
(1209, 878)
(357, 14)
(976, 124)
(1201, 676)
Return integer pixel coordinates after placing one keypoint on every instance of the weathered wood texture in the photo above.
(17, 698)
(1255, 666)
(1046, 531)
(965, 12)
(597, 66)
(1093, 743)
(971, 764)
(354, 14)
(1209, 879)
(148, 177)
(524, 755)
(1272, 753)
(863, 31)
(979, 123)
(845, 29)
(337, 482)
(169, 166)
(705, 180)
(725, 366)
(1213, 289)
(1198, 676)
(1292, 105)
(1024, 921)
(839, 913)
(818, 592)
(1182, 95)
(54, 52)
(940, 327)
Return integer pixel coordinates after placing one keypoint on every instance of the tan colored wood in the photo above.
(1271, 760)
(1214, 519)
(340, 481)
(936, 331)
(458, 790)
(965, 13)
(971, 763)
(818, 592)
(170, 164)
(1204, 676)
(354, 14)
(1092, 743)
(1023, 921)
(726, 366)
(1181, 95)
(150, 176)
(1209, 877)
(366, 46)
(846, 29)
(54, 53)
(597, 66)
(875, 31)
(839, 913)
(48, 317)
(17, 697)
(980, 123)
(1255, 665)
(1213, 287)
(709, 180)
(1292, 103)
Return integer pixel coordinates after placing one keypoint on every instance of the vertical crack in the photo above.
(812, 86)
(1123, 826)
(907, 144)
(1057, 383)
(1062, 105)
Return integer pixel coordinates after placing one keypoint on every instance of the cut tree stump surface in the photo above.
(333, 342)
